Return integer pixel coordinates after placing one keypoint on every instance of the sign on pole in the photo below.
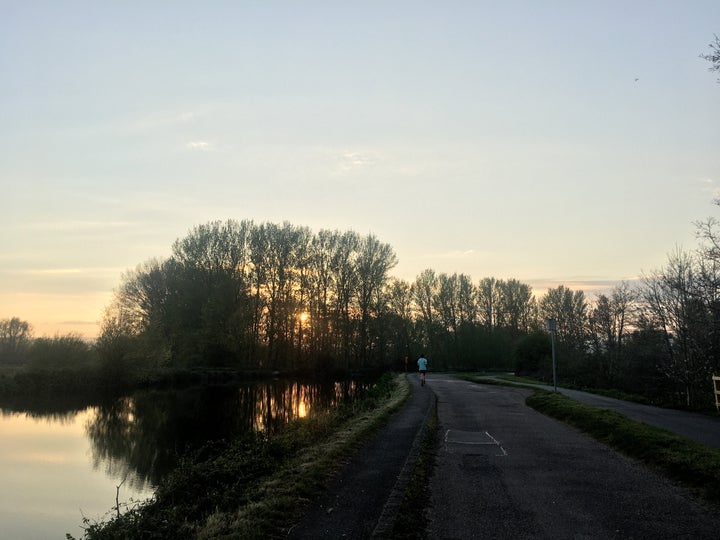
(552, 326)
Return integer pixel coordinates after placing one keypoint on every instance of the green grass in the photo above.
(521, 380)
(255, 487)
(691, 463)
(514, 380)
(499, 381)
(412, 519)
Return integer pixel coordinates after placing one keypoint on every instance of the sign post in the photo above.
(552, 326)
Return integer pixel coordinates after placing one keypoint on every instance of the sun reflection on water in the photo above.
(82, 455)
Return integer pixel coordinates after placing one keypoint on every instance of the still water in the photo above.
(57, 467)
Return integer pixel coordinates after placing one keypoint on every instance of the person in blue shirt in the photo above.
(422, 367)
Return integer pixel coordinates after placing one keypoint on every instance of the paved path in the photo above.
(507, 471)
(699, 427)
(362, 501)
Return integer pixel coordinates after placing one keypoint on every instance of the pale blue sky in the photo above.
(507, 139)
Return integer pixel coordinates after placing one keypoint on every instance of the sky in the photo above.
(553, 142)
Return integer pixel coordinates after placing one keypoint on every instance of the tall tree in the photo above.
(516, 306)
(714, 55)
(424, 291)
(344, 267)
(400, 310)
(15, 339)
(673, 303)
(320, 282)
(446, 306)
(467, 308)
(608, 323)
(374, 261)
(142, 310)
(708, 270)
(446, 302)
(488, 299)
(284, 248)
(568, 308)
(611, 316)
(212, 264)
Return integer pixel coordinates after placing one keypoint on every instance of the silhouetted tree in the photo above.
(69, 351)
(516, 309)
(399, 298)
(424, 291)
(569, 309)
(374, 262)
(15, 339)
(488, 298)
(714, 55)
(673, 303)
(344, 268)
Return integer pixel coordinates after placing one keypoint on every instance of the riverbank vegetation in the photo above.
(255, 486)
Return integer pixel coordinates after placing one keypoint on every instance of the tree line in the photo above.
(279, 297)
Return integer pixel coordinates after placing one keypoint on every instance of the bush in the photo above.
(533, 356)
(60, 352)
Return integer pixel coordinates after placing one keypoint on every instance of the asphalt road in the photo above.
(505, 471)
(699, 427)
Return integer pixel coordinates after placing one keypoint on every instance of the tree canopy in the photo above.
(714, 55)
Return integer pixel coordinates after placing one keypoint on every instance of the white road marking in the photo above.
(504, 453)
(468, 435)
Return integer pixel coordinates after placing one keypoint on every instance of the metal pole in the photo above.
(552, 342)
(552, 326)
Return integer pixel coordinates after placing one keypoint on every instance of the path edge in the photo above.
(388, 517)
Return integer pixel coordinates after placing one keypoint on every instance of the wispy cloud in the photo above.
(709, 186)
(185, 117)
(59, 280)
(352, 161)
(203, 146)
(588, 285)
(457, 254)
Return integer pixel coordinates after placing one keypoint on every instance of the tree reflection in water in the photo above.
(140, 438)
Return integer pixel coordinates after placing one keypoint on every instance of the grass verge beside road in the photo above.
(691, 463)
(412, 518)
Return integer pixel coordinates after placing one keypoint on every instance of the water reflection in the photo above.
(49, 482)
(140, 437)
(61, 409)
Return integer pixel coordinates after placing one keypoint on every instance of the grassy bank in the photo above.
(514, 380)
(412, 518)
(693, 464)
(257, 486)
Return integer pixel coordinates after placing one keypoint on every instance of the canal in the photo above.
(61, 465)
